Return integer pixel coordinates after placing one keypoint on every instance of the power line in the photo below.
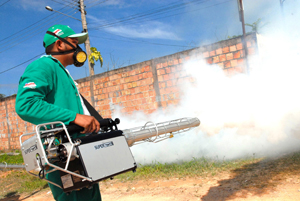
(96, 3)
(22, 63)
(139, 41)
(69, 3)
(27, 37)
(33, 32)
(4, 3)
(157, 11)
(111, 24)
(20, 32)
(26, 28)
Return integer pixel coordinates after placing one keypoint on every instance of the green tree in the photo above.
(2, 96)
(95, 56)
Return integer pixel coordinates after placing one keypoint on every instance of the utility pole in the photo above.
(281, 4)
(87, 42)
(241, 14)
(88, 50)
(281, 7)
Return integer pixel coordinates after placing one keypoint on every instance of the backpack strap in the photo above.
(91, 109)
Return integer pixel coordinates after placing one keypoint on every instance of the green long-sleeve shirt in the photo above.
(47, 93)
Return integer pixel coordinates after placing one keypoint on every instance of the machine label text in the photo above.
(104, 145)
(31, 149)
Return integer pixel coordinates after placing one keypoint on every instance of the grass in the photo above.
(11, 159)
(197, 167)
(17, 181)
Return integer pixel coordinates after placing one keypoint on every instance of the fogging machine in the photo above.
(93, 158)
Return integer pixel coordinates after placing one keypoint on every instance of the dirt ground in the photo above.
(266, 180)
(222, 187)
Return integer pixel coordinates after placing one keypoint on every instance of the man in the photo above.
(48, 93)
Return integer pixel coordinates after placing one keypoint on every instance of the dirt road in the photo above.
(219, 188)
(276, 180)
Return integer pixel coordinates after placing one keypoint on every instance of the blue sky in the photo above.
(125, 32)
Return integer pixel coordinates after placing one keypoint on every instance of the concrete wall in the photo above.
(143, 86)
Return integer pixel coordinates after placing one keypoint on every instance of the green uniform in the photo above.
(47, 93)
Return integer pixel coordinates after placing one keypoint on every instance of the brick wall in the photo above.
(145, 86)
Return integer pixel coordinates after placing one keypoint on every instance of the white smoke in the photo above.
(240, 115)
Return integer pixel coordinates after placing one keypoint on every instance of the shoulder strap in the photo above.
(91, 109)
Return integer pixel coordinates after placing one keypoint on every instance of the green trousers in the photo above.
(85, 194)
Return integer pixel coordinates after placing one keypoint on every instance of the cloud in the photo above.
(144, 31)
(33, 4)
(148, 30)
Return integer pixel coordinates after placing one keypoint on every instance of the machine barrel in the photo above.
(153, 132)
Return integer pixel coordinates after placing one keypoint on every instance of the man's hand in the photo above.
(89, 123)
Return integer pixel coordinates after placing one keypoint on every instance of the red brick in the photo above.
(135, 78)
(152, 93)
(242, 53)
(168, 70)
(149, 81)
(127, 79)
(161, 72)
(229, 56)
(132, 91)
(227, 64)
(240, 61)
(237, 55)
(166, 77)
(147, 68)
(212, 53)
(239, 46)
(219, 51)
(209, 61)
(162, 85)
(232, 48)
(221, 64)
(159, 65)
(216, 59)
(225, 50)
(205, 54)
(175, 61)
(222, 57)
(233, 63)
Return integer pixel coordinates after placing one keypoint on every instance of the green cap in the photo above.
(63, 31)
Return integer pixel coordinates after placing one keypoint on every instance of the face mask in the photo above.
(79, 55)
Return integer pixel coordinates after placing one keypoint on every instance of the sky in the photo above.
(125, 32)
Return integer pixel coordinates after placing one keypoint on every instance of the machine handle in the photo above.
(104, 124)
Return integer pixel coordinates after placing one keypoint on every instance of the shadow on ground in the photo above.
(256, 178)
(13, 196)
